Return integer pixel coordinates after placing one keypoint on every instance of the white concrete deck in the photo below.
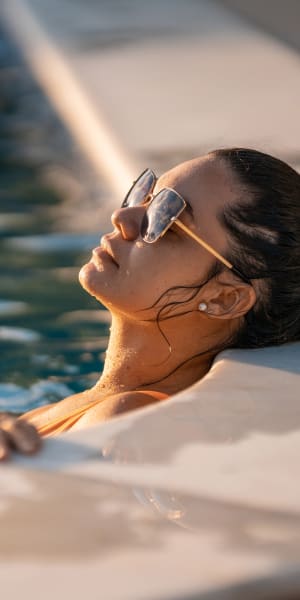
(196, 498)
(167, 79)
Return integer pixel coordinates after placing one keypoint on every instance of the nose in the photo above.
(128, 221)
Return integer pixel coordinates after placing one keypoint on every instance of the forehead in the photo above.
(206, 183)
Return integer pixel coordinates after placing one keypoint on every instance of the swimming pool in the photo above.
(52, 334)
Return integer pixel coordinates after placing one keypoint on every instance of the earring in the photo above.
(202, 306)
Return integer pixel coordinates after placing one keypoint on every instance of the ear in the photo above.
(229, 297)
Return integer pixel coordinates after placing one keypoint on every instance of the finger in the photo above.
(7, 421)
(3, 417)
(4, 446)
(24, 437)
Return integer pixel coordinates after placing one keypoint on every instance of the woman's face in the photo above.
(139, 273)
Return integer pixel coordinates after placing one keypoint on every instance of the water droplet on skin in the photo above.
(139, 244)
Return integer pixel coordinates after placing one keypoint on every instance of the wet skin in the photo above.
(128, 276)
(144, 270)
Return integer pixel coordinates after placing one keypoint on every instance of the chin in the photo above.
(101, 285)
(95, 283)
(90, 278)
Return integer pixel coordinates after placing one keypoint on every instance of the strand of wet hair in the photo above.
(169, 306)
(215, 350)
(172, 304)
(213, 271)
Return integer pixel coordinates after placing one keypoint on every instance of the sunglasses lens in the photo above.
(160, 214)
(140, 189)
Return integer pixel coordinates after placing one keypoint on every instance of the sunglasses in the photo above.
(162, 212)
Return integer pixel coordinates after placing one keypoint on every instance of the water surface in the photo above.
(52, 334)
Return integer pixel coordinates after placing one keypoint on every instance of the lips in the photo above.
(105, 245)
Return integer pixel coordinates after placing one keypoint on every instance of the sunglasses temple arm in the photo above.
(204, 244)
(211, 250)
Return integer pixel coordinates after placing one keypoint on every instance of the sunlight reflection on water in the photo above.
(52, 334)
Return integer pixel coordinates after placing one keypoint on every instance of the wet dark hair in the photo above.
(263, 226)
(264, 239)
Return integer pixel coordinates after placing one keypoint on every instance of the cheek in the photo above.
(155, 270)
(168, 264)
(143, 284)
(149, 264)
(145, 276)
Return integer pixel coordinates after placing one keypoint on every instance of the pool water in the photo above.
(52, 334)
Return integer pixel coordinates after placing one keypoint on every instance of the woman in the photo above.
(205, 258)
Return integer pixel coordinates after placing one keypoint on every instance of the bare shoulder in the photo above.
(125, 401)
(60, 409)
(118, 404)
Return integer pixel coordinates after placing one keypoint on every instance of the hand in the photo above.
(17, 434)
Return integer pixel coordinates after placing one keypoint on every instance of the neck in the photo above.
(138, 357)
